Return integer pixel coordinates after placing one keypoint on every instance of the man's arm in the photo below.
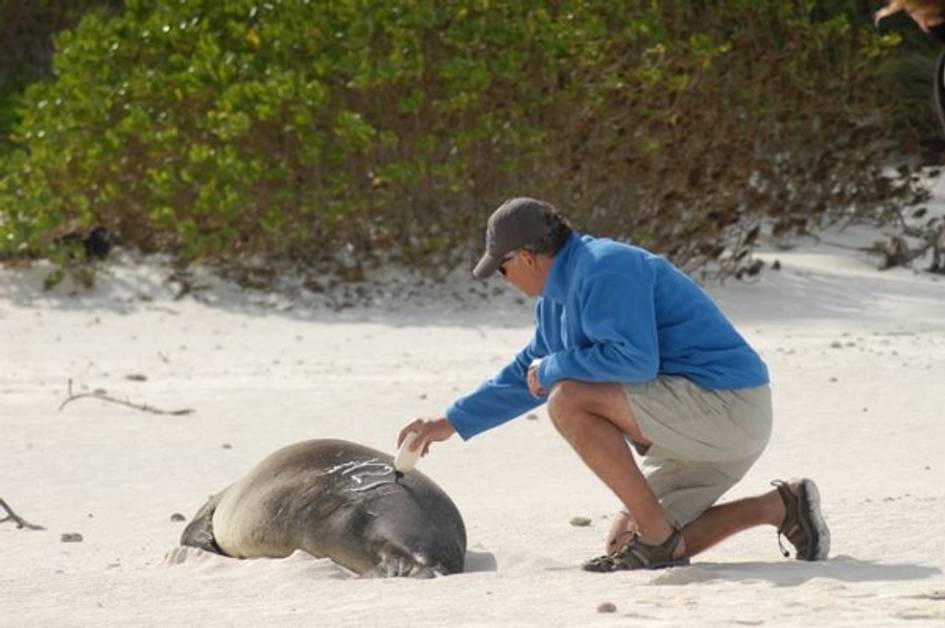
(500, 399)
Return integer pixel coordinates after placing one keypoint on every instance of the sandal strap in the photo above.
(634, 554)
(791, 505)
(793, 527)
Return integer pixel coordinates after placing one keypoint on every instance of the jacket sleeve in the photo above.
(502, 398)
(618, 320)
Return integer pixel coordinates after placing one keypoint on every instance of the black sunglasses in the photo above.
(508, 258)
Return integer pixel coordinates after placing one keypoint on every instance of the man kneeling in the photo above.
(629, 351)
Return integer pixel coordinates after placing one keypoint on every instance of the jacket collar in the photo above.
(556, 285)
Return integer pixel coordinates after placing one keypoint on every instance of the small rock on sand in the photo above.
(580, 522)
(607, 607)
(178, 517)
(71, 537)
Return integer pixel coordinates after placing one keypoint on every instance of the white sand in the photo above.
(856, 357)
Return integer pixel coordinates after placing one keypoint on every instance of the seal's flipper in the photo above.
(199, 532)
(396, 563)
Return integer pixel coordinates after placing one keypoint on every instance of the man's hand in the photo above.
(534, 386)
(428, 431)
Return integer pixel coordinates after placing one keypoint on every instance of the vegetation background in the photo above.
(337, 135)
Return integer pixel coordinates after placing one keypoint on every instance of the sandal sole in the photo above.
(679, 562)
(819, 532)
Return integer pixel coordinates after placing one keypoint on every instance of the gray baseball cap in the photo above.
(516, 223)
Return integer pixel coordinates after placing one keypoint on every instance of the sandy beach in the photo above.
(856, 357)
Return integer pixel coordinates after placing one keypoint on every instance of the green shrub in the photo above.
(26, 30)
(291, 129)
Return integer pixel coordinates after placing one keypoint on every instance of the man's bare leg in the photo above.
(595, 419)
(716, 524)
(720, 522)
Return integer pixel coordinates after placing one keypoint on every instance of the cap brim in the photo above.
(487, 265)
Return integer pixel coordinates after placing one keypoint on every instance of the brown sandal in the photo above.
(635, 554)
(803, 524)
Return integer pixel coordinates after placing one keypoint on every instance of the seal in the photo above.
(335, 499)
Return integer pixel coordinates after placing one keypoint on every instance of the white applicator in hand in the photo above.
(405, 460)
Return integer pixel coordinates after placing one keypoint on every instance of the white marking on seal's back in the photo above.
(369, 486)
(358, 470)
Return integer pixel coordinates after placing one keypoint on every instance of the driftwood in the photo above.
(896, 252)
(103, 397)
(20, 521)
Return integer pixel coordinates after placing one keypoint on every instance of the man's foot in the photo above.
(635, 554)
(803, 524)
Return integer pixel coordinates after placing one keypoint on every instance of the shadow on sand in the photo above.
(795, 573)
(480, 561)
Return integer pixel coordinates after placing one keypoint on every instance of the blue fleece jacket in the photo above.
(612, 312)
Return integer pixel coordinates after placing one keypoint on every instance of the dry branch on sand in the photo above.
(103, 397)
(20, 521)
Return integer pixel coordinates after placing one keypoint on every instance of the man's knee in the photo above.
(623, 527)
(570, 401)
(564, 402)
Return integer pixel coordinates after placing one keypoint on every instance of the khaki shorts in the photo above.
(703, 441)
